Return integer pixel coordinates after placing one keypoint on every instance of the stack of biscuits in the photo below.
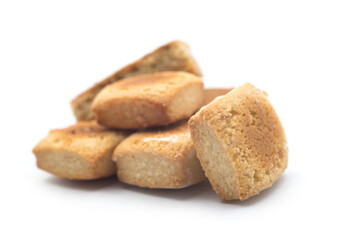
(154, 125)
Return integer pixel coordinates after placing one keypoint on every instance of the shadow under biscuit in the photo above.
(201, 190)
(87, 185)
(267, 193)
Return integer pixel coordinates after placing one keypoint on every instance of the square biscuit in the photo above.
(149, 100)
(159, 158)
(240, 143)
(82, 151)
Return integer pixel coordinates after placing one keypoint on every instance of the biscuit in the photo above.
(149, 100)
(81, 151)
(240, 143)
(174, 56)
(159, 158)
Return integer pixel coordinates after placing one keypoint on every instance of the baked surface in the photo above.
(163, 157)
(240, 143)
(149, 100)
(174, 56)
(81, 151)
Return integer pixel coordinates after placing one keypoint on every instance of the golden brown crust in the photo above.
(247, 137)
(162, 157)
(81, 151)
(174, 56)
(149, 100)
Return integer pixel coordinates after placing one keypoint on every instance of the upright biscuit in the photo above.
(240, 142)
(174, 56)
(82, 151)
(160, 158)
(149, 100)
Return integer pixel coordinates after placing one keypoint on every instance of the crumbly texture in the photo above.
(82, 151)
(212, 93)
(159, 158)
(174, 56)
(240, 142)
(149, 100)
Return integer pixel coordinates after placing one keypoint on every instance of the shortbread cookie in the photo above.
(212, 93)
(149, 100)
(82, 151)
(159, 158)
(174, 56)
(240, 142)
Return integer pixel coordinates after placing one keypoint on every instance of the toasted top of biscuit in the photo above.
(180, 48)
(88, 139)
(82, 129)
(172, 141)
(155, 87)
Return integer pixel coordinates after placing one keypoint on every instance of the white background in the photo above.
(305, 54)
